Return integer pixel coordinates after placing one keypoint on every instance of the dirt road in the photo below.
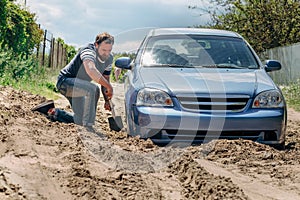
(40, 159)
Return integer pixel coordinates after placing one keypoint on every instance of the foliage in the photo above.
(264, 24)
(13, 68)
(3, 14)
(25, 73)
(71, 52)
(124, 54)
(292, 95)
(19, 30)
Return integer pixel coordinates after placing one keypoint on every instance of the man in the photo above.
(92, 63)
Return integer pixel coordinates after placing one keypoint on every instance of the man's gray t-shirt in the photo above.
(75, 68)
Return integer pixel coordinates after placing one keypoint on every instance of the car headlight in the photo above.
(268, 99)
(153, 97)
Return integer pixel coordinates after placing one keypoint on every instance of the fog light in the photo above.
(143, 120)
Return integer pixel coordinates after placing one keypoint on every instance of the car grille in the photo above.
(200, 136)
(228, 103)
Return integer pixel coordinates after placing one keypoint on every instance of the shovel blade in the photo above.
(116, 123)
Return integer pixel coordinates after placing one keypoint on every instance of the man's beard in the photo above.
(103, 58)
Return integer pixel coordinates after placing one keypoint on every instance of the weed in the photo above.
(292, 95)
(24, 73)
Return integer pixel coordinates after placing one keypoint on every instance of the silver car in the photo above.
(194, 85)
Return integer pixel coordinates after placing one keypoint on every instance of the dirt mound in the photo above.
(40, 159)
(200, 184)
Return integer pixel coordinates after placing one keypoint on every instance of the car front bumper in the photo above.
(164, 125)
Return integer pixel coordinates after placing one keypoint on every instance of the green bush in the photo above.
(18, 28)
(15, 69)
(26, 74)
(292, 95)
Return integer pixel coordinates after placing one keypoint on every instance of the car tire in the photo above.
(129, 126)
(280, 146)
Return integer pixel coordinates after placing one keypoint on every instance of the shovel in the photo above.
(115, 122)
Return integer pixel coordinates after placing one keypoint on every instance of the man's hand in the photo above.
(117, 73)
(107, 106)
(108, 93)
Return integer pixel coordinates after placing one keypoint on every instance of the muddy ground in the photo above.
(40, 159)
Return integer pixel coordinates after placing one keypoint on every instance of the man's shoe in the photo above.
(52, 114)
(90, 129)
(44, 107)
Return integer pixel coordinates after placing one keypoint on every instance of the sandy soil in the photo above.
(40, 159)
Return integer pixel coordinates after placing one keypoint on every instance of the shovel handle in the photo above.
(112, 108)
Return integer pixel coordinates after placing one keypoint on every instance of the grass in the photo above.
(38, 85)
(292, 95)
(43, 85)
(26, 74)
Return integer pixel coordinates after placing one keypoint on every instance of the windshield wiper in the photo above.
(225, 65)
(229, 65)
(169, 65)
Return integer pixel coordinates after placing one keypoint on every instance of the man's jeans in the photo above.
(83, 97)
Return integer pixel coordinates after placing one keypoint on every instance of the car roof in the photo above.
(192, 31)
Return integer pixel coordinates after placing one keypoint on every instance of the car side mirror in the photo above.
(123, 63)
(272, 65)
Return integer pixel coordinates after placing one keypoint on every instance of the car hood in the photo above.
(206, 80)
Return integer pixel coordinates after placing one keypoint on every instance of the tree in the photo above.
(19, 30)
(3, 16)
(264, 23)
(71, 52)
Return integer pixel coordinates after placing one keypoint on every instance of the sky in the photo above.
(78, 22)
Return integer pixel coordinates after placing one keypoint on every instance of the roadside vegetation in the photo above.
(264, 24)
(26, 74)
(20, 36)
(292, 95)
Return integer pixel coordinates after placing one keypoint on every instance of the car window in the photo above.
(198, 51)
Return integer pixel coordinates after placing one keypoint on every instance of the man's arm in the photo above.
(106, 98)
(103, 80)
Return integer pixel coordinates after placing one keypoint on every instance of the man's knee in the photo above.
(96, 91)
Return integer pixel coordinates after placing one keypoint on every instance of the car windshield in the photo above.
(198, 51)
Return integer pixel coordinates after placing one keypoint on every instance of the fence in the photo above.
(51, 53)
(289, 57)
